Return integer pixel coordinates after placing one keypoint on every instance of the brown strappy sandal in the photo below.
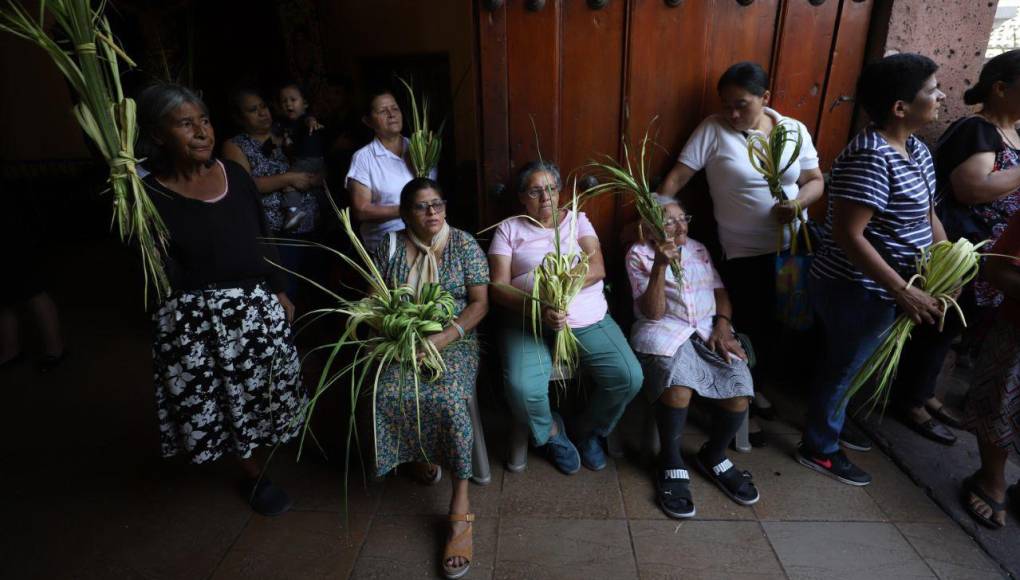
(461, 546)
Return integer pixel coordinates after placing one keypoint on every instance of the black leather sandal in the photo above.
(737, 484)
(673, 493)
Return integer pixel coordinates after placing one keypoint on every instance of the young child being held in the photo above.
(304, 146)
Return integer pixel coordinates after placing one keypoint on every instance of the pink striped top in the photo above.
(689, 308)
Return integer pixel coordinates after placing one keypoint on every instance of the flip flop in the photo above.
(970, 487)
(460, 545)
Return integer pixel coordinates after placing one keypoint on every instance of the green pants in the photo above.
(605, 357)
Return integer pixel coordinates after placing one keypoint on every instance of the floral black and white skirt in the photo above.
(226, 371)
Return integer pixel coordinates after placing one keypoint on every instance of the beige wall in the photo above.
(954, 33)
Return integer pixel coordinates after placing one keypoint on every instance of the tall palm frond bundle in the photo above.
(89, 59)
(425, 144)
(943, 269)
(558, 279)
(620, 176)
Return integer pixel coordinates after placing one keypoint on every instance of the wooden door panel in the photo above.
(802, 59)
(677, 55)
(836, 118)
(738, 33)
(533, 49)
(493, 93)
(665, 79)
(665, 73)
(592, 69)
(676, 58)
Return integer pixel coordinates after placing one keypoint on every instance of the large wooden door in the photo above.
(583, 74)
(551, 86)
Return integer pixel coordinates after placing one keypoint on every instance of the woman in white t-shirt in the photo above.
(380, 170)
(749, 218)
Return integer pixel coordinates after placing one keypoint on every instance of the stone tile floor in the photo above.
(87, 497)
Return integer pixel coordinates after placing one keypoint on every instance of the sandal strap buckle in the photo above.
(462, 517)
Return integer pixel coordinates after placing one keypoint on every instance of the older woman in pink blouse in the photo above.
(684, 338)
(518, 247)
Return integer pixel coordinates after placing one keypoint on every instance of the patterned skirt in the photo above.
(442, 412)
(992, 411)
(698, 368)
(226, 371)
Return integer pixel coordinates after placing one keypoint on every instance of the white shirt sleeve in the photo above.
(808, 155)
(700, 146)
(359, 170)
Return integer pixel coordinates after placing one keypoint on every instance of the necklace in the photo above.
(1002, 133)
(1006, 138)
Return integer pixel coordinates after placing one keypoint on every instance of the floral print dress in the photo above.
(995, 216)
(266, 160)
(446, 431)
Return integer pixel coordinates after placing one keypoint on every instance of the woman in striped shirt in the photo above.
(880, 215)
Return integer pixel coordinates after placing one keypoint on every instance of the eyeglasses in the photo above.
(668, 222)
(536, 192)
(436, 205)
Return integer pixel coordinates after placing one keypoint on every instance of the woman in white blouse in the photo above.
(380, 170)
(749, 219)
(685, 341)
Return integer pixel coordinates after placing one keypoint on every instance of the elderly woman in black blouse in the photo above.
(225, 368)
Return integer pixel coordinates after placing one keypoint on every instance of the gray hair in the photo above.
(154, 104)
(533, 167)
(665, 200)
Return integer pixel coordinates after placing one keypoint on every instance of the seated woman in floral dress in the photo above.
(430, 251)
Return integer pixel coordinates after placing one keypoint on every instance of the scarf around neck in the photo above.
(425, 267)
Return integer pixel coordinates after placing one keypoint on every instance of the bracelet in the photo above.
(460, 329)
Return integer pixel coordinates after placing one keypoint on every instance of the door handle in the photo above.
(839, 101)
